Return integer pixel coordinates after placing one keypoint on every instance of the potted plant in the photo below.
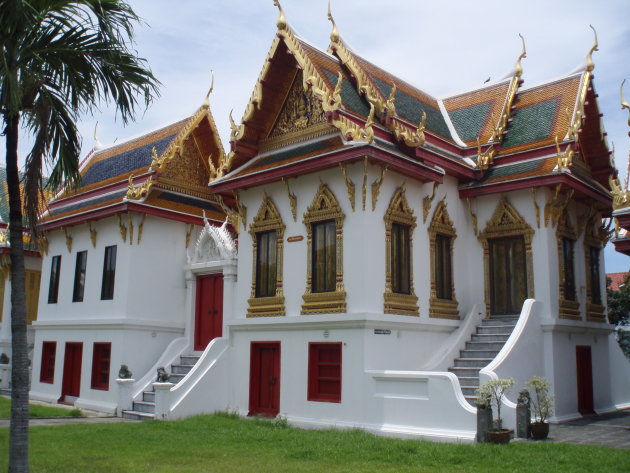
(542, 406)
(493, 392)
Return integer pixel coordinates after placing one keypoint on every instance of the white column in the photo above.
(5, 376)
(162, 400)
(229, 289)
(125, 399)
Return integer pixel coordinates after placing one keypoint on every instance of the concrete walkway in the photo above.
(610, 430)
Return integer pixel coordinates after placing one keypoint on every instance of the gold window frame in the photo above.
(506, 222)
(567, 309)
(324, 206)
(594, 312)
(267, 219)
(441, 224)
(399, 212)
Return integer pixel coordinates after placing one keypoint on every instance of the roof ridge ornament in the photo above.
(518, 67)
(206, 101)
(334, 34)
(97, 143)
(590, 65)
(281, 23)
(624, 103)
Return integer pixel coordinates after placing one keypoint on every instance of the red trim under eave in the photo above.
(622, 246)
(538, 182)
(450, 166)
(5, 250)
(120, 208)
(318, 163)
(624, 220)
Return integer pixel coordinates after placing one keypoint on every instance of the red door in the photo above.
(584, 379)
(264, 379)
(209, 310)
(71, 383)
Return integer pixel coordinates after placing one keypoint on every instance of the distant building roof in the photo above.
(618, 280)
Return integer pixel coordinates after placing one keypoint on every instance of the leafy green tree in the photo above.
(619, 302)
(60, 59)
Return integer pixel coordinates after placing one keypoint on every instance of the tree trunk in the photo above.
(18, 436)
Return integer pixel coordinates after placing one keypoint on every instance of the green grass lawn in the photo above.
(36, 410)
(227, 444)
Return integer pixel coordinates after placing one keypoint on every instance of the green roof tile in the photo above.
(530, 124)
(351, 99)
(469, 121)
(292, 153)
(511, 169)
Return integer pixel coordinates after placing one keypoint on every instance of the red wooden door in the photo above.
(264, 379)
(71, 383)
(584, 379)
(208, 310)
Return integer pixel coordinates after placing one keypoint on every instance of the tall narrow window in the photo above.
(53, 287)
(443, 274)
(323, 219)
(401, 259)
(324, 267)
(596, 294)
(267, 232)
(568, 305)
(569, 274)
(79, 277)
(442, 301)
(109, 273)
(100, 365)
(47, 369)
(324, 372)
(32, 279)
(266, 264)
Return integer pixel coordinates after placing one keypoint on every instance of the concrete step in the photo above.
(469, 391)
(135, 415)
(472, 400)
(176, 378)
(148, 396)
(489, 337)
(495, 346)
(472, 382)
(181, 369)
(478, 354)
(495, 329)
(189, 359)
(465, 372)
(471, 362)
(496, 321)
(144, 406)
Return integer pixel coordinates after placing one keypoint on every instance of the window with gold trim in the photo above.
(267, 231)
(569, 307)
(324, 268)
(442, 234)
(32, 279)
(399, 296)
(592, 252)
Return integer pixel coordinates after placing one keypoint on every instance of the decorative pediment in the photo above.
(214, 244)
(399, 209)
(324, 206)
(268, 218)
(441, 222)
(506, 221)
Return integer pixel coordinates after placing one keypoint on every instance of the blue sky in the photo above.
(440, 47)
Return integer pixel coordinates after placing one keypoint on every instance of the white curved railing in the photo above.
(168, 357)
(456, 341)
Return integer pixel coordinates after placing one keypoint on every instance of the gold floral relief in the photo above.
(441, 224)
(324, 206)
(267, 219)
(399, 212)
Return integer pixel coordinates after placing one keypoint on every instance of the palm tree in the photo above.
(60, 58)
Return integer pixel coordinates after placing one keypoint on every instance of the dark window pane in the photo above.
(596, 295)
(109, 273)
(53, 288)
(324, 257)
(443, 268)
(47, 373)
(508, 273)
(400, 259)
(324, 372)
(266, 264)
(79, 276)
(100, 365)
(569, 275)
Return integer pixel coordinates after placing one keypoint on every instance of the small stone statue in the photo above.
(524, 398)
(162, 375)
(124, 372)
(4, 359)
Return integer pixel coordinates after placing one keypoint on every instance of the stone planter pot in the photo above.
(500, 436)
(540, 430)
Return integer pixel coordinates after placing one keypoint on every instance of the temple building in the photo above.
(363, 255)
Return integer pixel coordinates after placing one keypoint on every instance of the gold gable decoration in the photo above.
(267, 219)
(399, 211)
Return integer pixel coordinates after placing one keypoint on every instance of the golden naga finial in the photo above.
(334, 34)
(282, 20)
(486, 158)
(518, 67)
(590, 65)
(624, 104)
(390, 105)
(206, 102)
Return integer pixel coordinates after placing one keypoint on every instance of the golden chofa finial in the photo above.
(334, 34)
(282, 20)
(590, 65)
(206, 101)
(518, 67)
(624, 104)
